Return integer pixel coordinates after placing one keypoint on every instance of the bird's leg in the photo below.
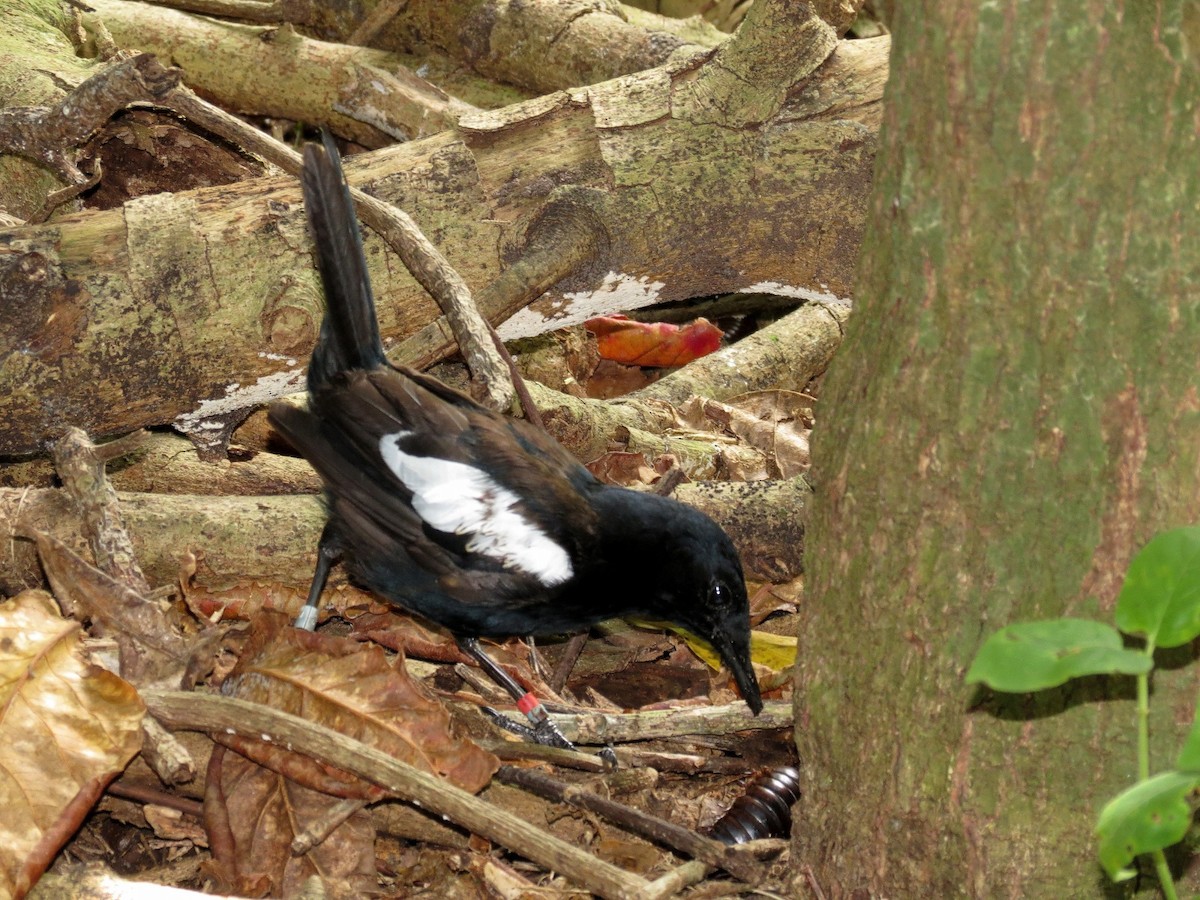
(327, 554)
(543, 730)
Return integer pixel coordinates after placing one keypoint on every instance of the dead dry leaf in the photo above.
(243, 600)
(624, 468)
(152, 652)
(386, 626)
(791, 415)
(262, 797)
(68, 728)
(173, 825)
(631, 855)
(252, 815)
(354, 689)
(775, 651)
(611, 379)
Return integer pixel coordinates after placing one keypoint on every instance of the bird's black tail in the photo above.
(349, 336)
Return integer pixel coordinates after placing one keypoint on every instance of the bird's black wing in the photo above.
(368, 508)
(553, 488)
(445, 481)
(505, 487)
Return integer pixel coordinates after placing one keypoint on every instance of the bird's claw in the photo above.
(547, 733)
(543, 731)
(609, 756)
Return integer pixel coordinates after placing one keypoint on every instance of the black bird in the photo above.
(474, 520)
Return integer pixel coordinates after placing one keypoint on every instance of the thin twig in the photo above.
(165, 754)
(213, 713)
(603, 728)
(562, 242)
(122, 446)
(676, 837)
(374, 22)
(140, 794)
(570, 655)
(686, 763)
(317, 831)
(678, 878)
(528, 407)
(810, 878)
(80, 465)
(426, 263)
(51, 134)
(55, 199)
(514, 750)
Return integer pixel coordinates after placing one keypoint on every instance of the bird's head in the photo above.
(717, 610)
(692, 577)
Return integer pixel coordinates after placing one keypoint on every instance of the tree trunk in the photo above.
(1012, 415)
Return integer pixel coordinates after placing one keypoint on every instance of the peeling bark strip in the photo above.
(615, 291)
(141, 315)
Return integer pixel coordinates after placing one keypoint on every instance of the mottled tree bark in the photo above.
(1012, 415)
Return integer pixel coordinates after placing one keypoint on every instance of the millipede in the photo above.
(763, 811)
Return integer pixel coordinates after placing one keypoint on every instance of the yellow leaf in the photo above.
(775, 651)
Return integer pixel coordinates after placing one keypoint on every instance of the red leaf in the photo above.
(653, 343)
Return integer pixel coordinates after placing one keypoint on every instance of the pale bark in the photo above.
(787, 354)
(540, 45)
(727, 15)
(369, 96)
(203, 304)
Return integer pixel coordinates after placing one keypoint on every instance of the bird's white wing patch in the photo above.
(459, 499)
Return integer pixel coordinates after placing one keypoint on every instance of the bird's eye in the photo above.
(720, 595)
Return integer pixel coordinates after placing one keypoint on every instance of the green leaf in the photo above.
(1151, 815)
(1189, 756)
(1161, 595)
(1032, 656)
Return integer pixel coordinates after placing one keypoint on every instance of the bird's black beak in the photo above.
(733, 645)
